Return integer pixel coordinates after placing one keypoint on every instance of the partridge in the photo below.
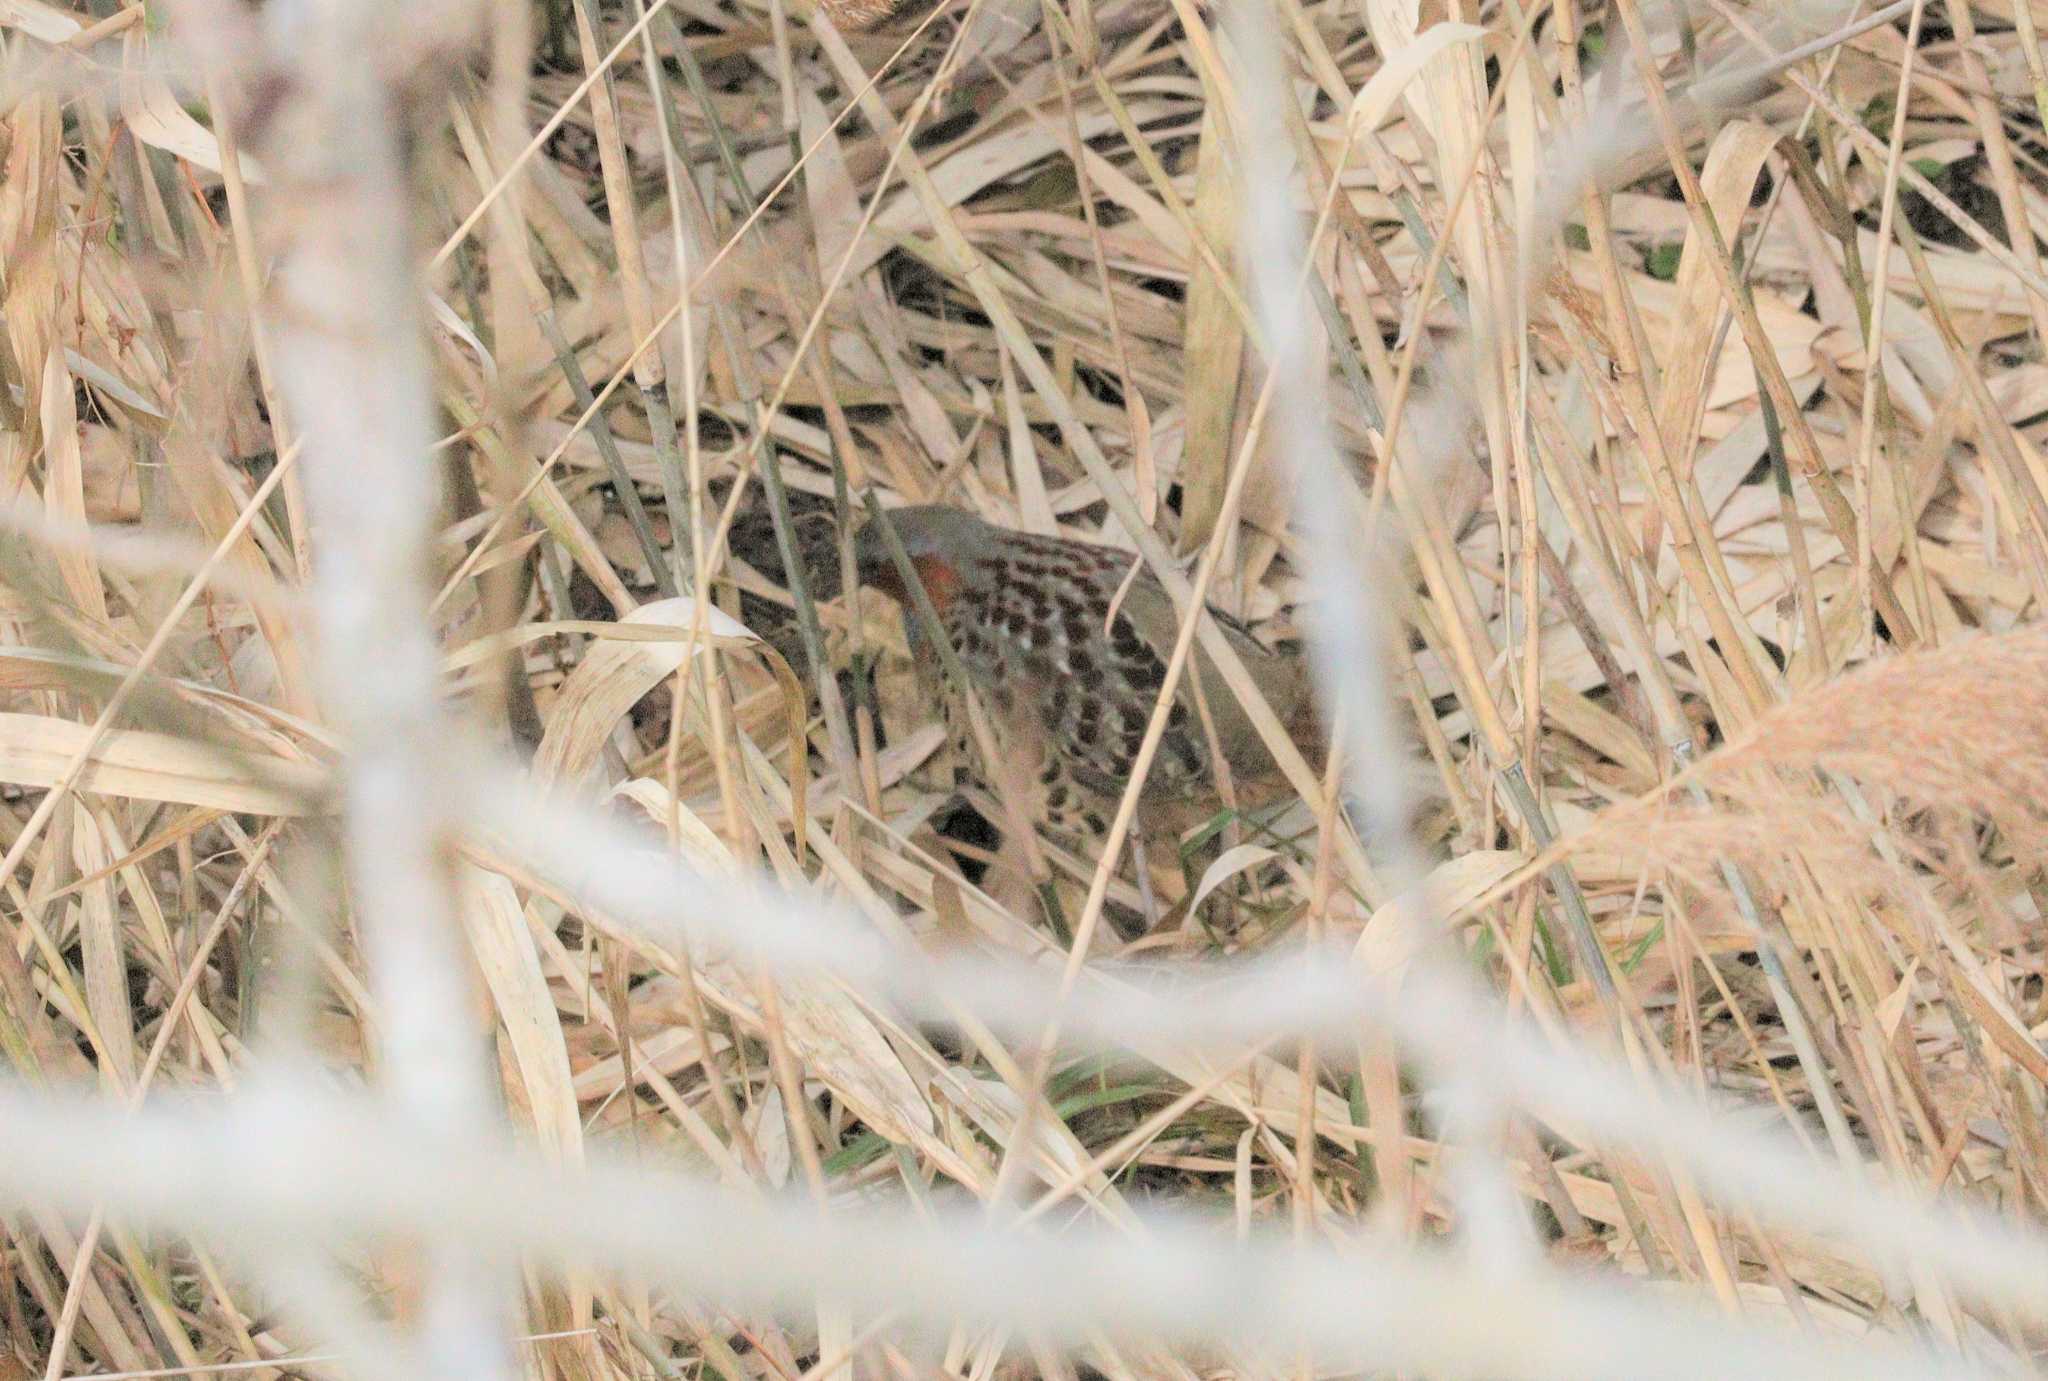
(1067, 689)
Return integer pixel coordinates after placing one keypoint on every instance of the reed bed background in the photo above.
(481, 896)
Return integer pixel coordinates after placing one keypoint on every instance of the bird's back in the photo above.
(1070, 689)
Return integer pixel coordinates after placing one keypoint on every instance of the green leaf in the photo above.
(1635, 956)
(854, 1154)
(1482, 948)
(1067, 1108)
(1553, 953)
(1088, 1069)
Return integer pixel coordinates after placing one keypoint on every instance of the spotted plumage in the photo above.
(1068, 689)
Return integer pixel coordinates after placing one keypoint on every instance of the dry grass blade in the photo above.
(1640, 404)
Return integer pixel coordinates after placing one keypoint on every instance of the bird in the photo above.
(1067, 686)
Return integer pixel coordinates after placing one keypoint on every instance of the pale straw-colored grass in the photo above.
(1650, 982)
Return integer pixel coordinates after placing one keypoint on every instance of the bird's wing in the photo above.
(1281, 678)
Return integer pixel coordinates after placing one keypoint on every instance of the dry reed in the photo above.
(485, 901)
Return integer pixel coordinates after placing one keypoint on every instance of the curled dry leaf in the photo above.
(619, 670)
(35, 749)
(1400, 930)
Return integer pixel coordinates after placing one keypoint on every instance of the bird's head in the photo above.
(940, 542)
